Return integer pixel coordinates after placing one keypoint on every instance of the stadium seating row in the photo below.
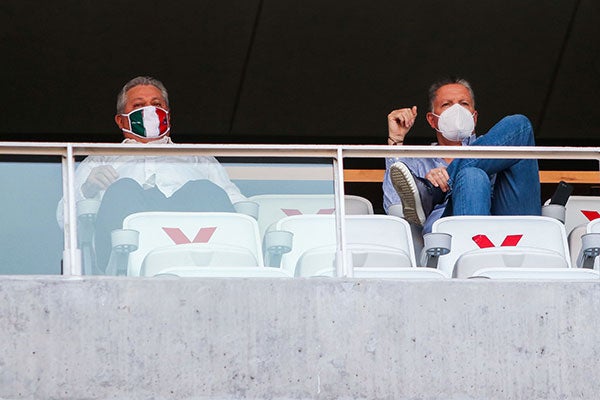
(296, 236)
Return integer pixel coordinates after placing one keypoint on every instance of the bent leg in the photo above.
(200, 195)
(122, 198)
(517, 190)
(517, 185)
(514, 130)
(471, 193)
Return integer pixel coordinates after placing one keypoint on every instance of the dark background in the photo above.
(282, 71)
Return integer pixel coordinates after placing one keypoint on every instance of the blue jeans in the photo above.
(516, 189)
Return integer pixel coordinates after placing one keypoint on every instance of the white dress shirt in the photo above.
(167, 173)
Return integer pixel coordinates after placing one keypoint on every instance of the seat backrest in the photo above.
(502, 241)
(357, 205)
(273, 207)
(372, 240)
(204, 238)
(580, 210)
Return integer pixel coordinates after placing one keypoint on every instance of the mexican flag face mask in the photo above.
(148, 122)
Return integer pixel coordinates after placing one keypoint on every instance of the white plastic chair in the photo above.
(589, 246)
(273, 207)
(498, 241)
(174, 239)
(380, 241)
(579, 211)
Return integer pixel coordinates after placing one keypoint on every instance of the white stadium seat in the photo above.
(174, 239)
(589, 246)
(579, 210)
(372, 241)
(500, 241)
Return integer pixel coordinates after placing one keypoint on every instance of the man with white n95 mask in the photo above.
(134, 183)
(430, 188)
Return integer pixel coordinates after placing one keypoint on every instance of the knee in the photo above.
(202, 187)
(521, 123)
(123, 185)
(520, 119)
(471, 177)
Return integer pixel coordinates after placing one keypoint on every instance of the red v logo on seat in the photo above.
(591, 215)
(511, 240)
(293, 211)
(178, 237)
(484, 242)
(326, 211)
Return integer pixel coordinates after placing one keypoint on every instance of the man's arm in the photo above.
(99, 179)
(399, 123)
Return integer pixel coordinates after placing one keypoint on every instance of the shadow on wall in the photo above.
(31, 241)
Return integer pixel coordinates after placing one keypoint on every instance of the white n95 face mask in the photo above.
(456, 123)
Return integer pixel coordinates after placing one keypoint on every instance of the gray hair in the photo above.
(448, 81)
(137, 81)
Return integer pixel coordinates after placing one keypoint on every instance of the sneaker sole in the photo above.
(405, 186)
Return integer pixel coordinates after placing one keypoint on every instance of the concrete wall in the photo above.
(121, 338)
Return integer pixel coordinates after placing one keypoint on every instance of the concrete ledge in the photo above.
(125, 338)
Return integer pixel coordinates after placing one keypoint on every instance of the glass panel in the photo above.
(31, 241)
(377, 245)
(209, 217)
(296, 212)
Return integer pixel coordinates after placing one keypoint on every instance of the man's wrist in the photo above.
(393, 142)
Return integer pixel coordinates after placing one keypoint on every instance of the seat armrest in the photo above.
(86, 226)
(124, 241)
(276, 244)
(86, 219)
(435, 245)
(590, 249)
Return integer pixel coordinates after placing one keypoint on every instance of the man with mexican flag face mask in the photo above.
(132, 183)
(429, 188)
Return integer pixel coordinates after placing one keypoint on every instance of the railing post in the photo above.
(71, 254)
(342, 266)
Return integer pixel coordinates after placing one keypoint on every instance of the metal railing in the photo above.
(337, 153)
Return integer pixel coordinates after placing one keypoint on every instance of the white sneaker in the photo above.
(408, 189)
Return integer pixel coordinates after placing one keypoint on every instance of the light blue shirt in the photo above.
(419, 167)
